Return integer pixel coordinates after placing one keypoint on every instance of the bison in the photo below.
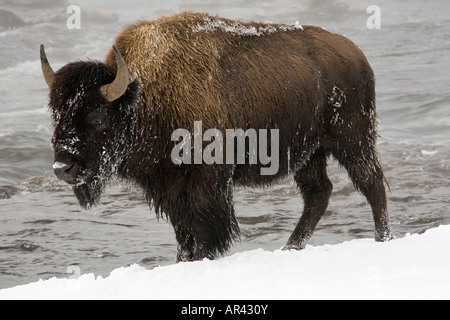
(117, 118)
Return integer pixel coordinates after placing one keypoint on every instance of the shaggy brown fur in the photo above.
(316, 87)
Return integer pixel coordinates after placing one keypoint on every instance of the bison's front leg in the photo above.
(204, 221)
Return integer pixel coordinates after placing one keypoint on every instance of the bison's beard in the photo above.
(88, 193)
(95, 177)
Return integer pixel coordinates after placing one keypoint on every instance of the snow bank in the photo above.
(414, 267)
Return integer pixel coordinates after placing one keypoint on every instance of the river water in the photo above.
(43, 231)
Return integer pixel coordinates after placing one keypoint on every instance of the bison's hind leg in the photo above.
(316, 187)
(358, 155)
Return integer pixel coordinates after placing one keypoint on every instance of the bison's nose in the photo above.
(66, 172)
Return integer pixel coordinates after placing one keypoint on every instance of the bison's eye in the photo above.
(98, 119)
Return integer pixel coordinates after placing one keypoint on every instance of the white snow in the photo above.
(237, 28)
(59, 165)
(413, 267)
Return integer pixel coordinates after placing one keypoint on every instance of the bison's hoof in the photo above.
(292, 247)
(384, 237)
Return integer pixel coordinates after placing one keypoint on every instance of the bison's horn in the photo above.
(118, 87)
(49, 74)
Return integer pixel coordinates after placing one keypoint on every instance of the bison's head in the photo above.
(91, 111)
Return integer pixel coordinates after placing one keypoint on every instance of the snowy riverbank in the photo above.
(413, 267)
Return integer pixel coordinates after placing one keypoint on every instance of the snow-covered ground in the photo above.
(413, 267)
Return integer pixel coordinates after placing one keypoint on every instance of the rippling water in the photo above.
(43, 231)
